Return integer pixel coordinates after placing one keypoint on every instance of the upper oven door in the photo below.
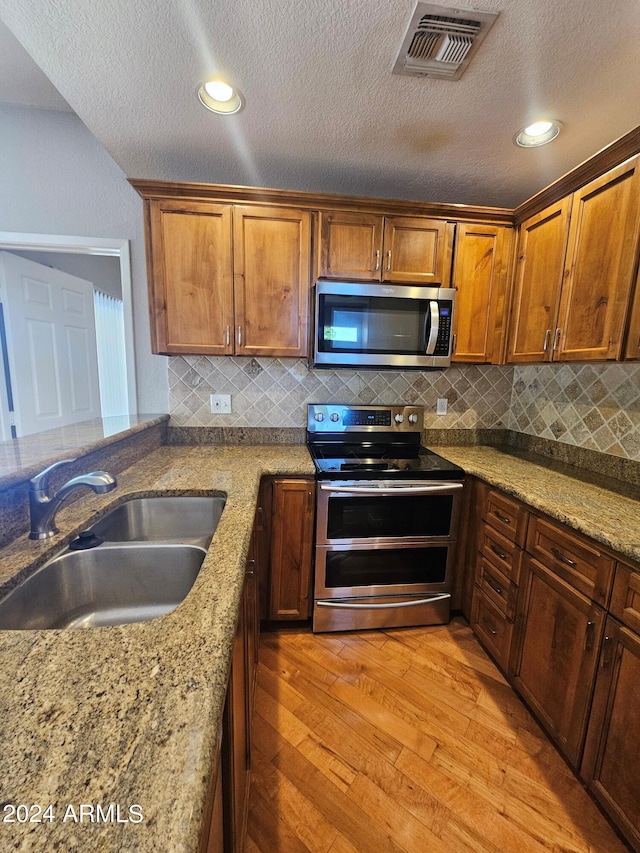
(382, 325)
(378, 512)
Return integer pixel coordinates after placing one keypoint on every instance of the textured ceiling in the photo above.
(323, 111)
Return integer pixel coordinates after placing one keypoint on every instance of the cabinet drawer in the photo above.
(625, 598)
(500, 552)
(497, 588)
(491, 627)
(507, 516)
(575, 559)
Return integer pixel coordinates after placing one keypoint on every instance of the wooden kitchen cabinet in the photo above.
(291, 549)
(586, 308)
(501, 533)
(271, 271)
(558, 637)
(238, 712)
(480, 269)
(371, 247)
(190, 277)
(611, 765)
(542, 245)
(228, 279)
(632, 345)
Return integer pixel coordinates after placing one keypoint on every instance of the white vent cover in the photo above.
(440, 41)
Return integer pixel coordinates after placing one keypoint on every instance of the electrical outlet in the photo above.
(220, 404)
(441, 406)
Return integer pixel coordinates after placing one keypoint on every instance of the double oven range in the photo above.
(387, 518)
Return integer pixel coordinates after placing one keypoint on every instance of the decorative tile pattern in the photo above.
(271, 392)
(594, 406)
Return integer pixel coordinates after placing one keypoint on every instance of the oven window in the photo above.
(366, 517)
(385, 567)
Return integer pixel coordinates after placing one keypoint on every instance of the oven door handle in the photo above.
(352, 605)
(376, 490)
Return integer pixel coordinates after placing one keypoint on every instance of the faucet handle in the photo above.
(40, 483)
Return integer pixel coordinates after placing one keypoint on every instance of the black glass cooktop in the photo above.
(346, 461)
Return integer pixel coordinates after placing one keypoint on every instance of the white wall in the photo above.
(101, 270)
(55, 178)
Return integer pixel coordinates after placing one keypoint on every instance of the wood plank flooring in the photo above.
(405, 740)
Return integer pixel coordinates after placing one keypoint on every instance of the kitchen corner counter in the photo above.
(129, 715)
(602, 508)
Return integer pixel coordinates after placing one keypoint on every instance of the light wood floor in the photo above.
(405, 740)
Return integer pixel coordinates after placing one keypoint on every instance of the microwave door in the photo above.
(431, 327)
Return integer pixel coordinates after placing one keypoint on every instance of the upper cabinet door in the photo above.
(190, 281)
(480, 278)
(350, 246)
(632, 348)
(599, 267)
(272, 268)
(417, 250)
(368, 247)
(538, 281)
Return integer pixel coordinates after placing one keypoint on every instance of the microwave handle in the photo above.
(433, 314)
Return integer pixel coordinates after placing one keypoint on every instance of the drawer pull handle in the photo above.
(388, 261)
(377, 266)
(494, 586)
(498, 552)
(560, 556)
(487, 625)
(502, 518)
(588, 639)
(606, 651)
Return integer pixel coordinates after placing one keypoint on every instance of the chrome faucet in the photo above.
(43, 508)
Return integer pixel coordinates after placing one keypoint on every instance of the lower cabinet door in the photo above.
(611, 764)
(291, 549)
(558, 639)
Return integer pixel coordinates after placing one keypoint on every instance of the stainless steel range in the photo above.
(387, 519)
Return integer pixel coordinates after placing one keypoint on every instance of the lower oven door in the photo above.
(400, 568)
(380, 586)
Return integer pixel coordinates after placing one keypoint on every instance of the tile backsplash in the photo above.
(594, 406)
(271, 392)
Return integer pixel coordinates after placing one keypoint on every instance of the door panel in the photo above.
(272, 267)
(539, 275)
(192, 284)
(599, 266)
(51, 345)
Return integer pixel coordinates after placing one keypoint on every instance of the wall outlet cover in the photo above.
(441, 406)
(220, 404)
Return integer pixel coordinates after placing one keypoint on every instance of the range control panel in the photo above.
(341, 418)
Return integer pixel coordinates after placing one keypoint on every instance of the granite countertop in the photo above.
(129, 715)
(600, 507)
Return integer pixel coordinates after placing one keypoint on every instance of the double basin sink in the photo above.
(152, 552)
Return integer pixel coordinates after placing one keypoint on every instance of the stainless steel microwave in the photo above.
(398, 327)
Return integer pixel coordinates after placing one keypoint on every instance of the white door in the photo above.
(51, 345)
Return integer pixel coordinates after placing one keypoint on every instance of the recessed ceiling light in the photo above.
(220, 97)
(538, 133)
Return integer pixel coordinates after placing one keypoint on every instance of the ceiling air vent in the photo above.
(440, 41)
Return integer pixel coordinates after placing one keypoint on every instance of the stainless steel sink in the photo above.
(112, 585)
(159, 519)
(152, 553)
